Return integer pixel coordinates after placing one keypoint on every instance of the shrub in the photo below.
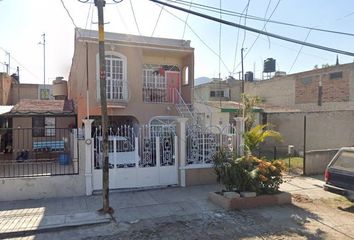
(247, 173)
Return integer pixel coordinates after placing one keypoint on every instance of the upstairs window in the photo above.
(116, 80)
(185, 76)
(217, 93)
(336, 75)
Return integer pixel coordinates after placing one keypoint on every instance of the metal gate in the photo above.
(142, 158)
(203, 143)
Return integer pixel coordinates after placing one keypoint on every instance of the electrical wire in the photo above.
(185, 22)
(157, 21)
(21, 65)
(237, 39)
(298, 53)
(67, 11)
(122, 19)
(273, 35)
(264, 26)
(200, 38)
(136, 23)
(220, 43)
(245, 23)
(88, 15)
(255, 18)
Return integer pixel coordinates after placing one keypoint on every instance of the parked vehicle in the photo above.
(339, 174)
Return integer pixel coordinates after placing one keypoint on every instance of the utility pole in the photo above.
(43, 43)
(43, 35)
(8, 69)
(105, 174)
(44, 90)
(243, 80)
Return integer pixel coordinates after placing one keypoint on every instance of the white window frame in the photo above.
(49, 126)
(123, 82)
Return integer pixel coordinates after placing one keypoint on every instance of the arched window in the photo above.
(116, 80)
(185, 75)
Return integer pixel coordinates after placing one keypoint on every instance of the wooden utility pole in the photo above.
(105, 172)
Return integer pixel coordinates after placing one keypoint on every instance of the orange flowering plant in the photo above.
(248, 173)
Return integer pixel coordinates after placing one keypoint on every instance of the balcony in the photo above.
(158, 95)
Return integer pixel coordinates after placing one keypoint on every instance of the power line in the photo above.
(220, 43)
(136, 23)
(255, 18)
(67, 11)
(200, 38)
(298, 53)
(21, 65)
(264, 26)
(88, 15)
(256, 30)
(185, 22)
(157, 21)
(238, 37)
(244, 23)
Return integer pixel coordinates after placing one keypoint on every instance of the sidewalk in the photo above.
(33, 216)
(311, 186)
(19, 218)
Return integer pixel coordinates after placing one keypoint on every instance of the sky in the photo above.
(22, 24)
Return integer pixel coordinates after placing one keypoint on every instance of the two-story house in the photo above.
(144, 76)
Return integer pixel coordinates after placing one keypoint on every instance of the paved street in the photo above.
(185, 213)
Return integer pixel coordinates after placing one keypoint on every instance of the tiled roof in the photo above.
(32, 106)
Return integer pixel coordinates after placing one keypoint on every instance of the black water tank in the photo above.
(249, 76)
(269, 65)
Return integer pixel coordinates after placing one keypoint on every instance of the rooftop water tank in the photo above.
(60, 88)
(249, 76)
(269, 65)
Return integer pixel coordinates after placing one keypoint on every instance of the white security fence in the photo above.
(145, 159)
(149, 155)
(203, 143)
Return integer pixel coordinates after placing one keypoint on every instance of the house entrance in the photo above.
(145, 159)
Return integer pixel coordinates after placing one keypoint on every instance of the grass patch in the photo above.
(295, 162)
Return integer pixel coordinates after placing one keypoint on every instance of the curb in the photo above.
(59, 222)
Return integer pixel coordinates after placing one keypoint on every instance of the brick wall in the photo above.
(335, 89)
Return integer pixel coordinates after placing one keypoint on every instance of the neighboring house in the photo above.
(5, 86)
(218, 90)
(318, 89)
(145, 77)
(218, 113)
(21, 91)
(39, 120)
(325, 96)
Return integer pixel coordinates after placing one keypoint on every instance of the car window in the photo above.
(345, 161)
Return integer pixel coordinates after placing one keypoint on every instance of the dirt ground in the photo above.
(304, 219)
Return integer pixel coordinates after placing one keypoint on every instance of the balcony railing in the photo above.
(158, 95)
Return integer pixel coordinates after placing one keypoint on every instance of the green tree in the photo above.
(257, 135)
(249, 103)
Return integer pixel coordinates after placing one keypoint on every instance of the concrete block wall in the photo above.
(325, 130)
(45, 186)
(317, 161)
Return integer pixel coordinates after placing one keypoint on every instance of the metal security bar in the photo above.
(32, 152)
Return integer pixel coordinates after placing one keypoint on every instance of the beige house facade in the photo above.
(325, 96)
(318, 89)
(145, 76)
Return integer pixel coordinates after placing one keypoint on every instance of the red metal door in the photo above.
(173, 82)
